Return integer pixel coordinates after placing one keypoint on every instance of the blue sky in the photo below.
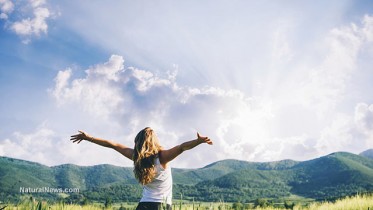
(266, 80)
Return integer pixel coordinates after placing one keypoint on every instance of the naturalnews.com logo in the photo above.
(47, 190)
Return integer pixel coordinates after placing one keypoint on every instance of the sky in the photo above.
(265, 80)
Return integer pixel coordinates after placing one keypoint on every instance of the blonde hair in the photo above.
(146, 150)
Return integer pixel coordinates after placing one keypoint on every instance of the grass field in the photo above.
(349, 203)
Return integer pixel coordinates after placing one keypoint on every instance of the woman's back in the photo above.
(160, 188)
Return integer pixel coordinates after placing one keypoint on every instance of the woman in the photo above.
(150, 164)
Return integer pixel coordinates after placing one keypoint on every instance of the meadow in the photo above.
(287, 185)
(349, 203)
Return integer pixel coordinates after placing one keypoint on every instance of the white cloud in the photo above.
(305, 105)
(109, 70)
(97, 93)
(38, 146)
(239, 125)
(31, 18)
(37, 3)
(242, 126)
(281, 50)
(368, 28)
(3, 16)
(146, 80)
(47, 146)
(137, 98)
(6, 7)
(61, 80)
(296, 117)
(352, 133)
(34, 26)
(337, 136)
(326, 85)
(325, 89)
(364, 119)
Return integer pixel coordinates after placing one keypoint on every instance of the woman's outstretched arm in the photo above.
(124, 150)
(170, 154)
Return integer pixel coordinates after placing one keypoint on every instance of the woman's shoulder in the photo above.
(161, 159)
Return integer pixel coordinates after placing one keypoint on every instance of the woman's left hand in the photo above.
(204, 139)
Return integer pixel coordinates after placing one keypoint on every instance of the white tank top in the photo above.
(160, 189)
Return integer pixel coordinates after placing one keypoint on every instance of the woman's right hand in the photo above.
(77, 138)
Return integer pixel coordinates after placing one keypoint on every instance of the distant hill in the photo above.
(328, 177)
(368, 153)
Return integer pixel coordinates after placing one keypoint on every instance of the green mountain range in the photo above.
(368, 153)
(335, 175)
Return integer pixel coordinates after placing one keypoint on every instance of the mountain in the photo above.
(368, 153)
(16, 174)
(328, 177)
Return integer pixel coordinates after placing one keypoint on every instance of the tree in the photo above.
(237, 206)
(261, 202)
(108, 202)
(289, 205)
(85, 201)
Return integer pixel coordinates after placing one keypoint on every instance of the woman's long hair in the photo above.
(146, 150)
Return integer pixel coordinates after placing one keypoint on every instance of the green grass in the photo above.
(349, 203)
